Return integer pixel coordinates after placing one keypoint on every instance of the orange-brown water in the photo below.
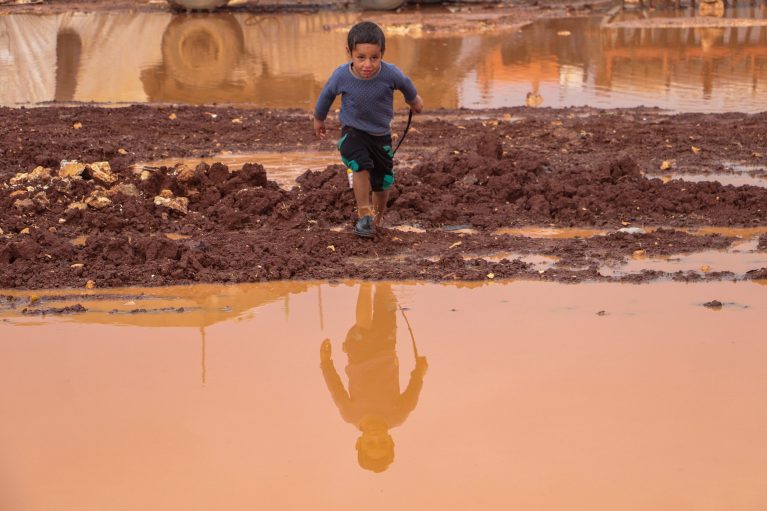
(283, 60)
(281, 167)
(537, 396)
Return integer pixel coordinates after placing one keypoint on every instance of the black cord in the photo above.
(407, 127)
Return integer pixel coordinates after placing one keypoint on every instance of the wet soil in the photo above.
(478, 169)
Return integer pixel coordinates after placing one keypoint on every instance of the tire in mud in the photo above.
(381, 5)
(202, 50)
(196, 5)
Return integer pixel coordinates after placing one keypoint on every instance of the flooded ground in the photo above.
(282, 60)
(531, 395)
(282, 167)
(506, 385)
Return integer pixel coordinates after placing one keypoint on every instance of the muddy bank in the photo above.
(118, 224)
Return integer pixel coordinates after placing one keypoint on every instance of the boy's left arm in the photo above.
(407, 87)
(416, 105)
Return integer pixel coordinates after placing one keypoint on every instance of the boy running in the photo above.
(366, 86)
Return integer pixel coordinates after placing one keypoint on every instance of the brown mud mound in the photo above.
(96, 217)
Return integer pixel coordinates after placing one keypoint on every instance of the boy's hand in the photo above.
(421, 365)
(325, 350)
(319, 129)
(417, 104)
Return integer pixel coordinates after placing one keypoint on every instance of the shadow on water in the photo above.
(675, 59)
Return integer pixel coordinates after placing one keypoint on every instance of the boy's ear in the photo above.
(348, 51)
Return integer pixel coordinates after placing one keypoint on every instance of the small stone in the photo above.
(127, 189)
(18, 179)
(332, 248)
(25, 230)
(41, 200)
(102, 172)
(62, 220)
(98, 201)
(491, 275)
(90, 284)
(665, 165)
(237, 121)
(145, 175)
(71, 169)
(77, 125)
(167, 194)
(76, 265)
(77, 205)
(173, 116)
(713, 304)
(24, 204)
(122, 151)
(185, 173)
(18, 193)
(40, 174)
(180, 204)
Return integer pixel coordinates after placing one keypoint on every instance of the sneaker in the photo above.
(364, 227)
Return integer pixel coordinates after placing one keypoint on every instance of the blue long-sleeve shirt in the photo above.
(366, 104)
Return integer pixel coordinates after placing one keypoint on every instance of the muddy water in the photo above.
(740, 258)
(283, 60)
(536, 396)
(282, 168)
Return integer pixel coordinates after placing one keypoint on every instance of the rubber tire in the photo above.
(202, 50)
(381, 5)
(196, 5)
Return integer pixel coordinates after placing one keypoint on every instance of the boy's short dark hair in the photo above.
(366, 32)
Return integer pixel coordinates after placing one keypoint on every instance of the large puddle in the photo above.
(283, 60)
(536, 396)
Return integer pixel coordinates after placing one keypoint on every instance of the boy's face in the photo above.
(366, 59)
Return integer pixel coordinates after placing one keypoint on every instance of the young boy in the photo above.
(366, 86)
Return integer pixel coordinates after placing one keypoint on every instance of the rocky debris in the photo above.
(186, 174)
(98, 199)
(41, 201)
(760, 274)
(70, 309)
(101, 172)
(126, 189)
(552, 167)
(39, 174)
(71, 169)
(24, 205)
(713, 304)
(167, 200)
(81, 206)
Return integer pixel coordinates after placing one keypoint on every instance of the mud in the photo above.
(117, 225)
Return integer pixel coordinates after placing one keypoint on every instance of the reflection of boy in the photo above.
(366, 86)
(374, 402)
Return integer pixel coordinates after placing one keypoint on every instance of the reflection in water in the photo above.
(68, 52)
(563, 406)
(373, 402)
(282, 60)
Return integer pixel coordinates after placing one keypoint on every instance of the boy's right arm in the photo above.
(322, 107)
(319, 129)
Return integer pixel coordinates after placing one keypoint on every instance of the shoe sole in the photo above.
(362, 234)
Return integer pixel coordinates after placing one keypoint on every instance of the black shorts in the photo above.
(362, 151)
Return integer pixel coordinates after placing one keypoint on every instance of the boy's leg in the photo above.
(354, 153)
(379, 204)
(382, 176)
(361, 186)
